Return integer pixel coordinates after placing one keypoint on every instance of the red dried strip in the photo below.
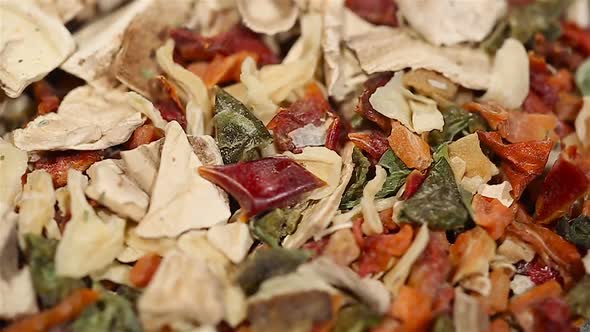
(191, 46)
(373, 142)
(577, 37)
(527, 157)
(263, 184)
(145, 134)
(313, 109)
(364, 107)
(413, 183)
(564, 184)
(552, 248)
(336, 135)
(381, 12)
(518, 180)
(67, 310)
(57, 164)
(377, 250)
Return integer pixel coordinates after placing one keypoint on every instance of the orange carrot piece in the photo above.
(68, 309)
(522, 302)
(144, 269)
(491, 215)
(497, 301)
(499, 325)
(413, 308)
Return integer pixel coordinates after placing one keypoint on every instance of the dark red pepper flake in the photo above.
(190, 46)
(57, 164)
(364, 107)
(381, 12)
(169, 105)
(564, 184)
(577, 37)
(413, 183)
(373, 142)
(263, 184)
(538, 271)
(313, 109)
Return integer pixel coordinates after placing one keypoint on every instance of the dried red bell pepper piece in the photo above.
(170, 106)
(373, 142)
(432, 269)
(191, 46)
(534, 104)
(336, 135)
(377, 250)
(381, 12)
(313, 109)
(364, 107)
(494, 113)
(563, 185)
(263, 184)
(538, 271)
(58, 163)
(413, 183)
(578, 37)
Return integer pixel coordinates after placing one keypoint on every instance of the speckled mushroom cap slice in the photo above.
(268, 16)
(32, 44)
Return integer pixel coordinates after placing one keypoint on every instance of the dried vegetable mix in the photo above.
(295, 166)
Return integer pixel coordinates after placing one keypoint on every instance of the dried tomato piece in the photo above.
(67, 310)
(409, 147)
(170, 106)
(491, 215)
(373, 142)
(555, 251)
(263, 184)
(145, 134)
(523, 127)
(223, 69)
(336, 135)
(563, 185)
(312, 109)
(381, 12)
(364, 107)
(144, 270)
(494, 113)
(58, 163)
(433, 268)
(413, 183)
(534, 104)
(538, 271)
(46, 97)
(377, 250)
(191, 46)
(527, 157)
(552, 314)
(518, 180)
(577, 37)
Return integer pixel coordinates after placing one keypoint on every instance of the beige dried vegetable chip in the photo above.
(476, 163)
(13, 164)
(37, 204)
(342, 247)
(134, 64)
(509, 82)
(17, 295)
(257, 95)
(448, 22)
(181, 199)
(142, 164)
(87, 119)
(32, 43)
(89, 242)
(234, 240)
(386, 49)
(111, 187)
(268, 16)
(473, 257)
(324, 164)
(468, 314)
(501, 192)
(99, 42)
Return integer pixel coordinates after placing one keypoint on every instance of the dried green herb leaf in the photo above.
(239, 134)
(112, 312)
(577, 231)
(524, 21)
(356, 318)
(275, 225)
(583, 78)
(265, 264)
(457, 121)
(438, 202)
(579, 298)
(50, 288)
(354, 191)
(397, 172)
(443, 323)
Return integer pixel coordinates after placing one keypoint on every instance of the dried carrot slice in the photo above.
(409, 147)
(491, 215)
(413, 308)
(144, 270)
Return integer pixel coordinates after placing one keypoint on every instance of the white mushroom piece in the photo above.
(268, 16)
(448, 22)
(17, 296)
(87, 119)
(32, 43)
(386, 49)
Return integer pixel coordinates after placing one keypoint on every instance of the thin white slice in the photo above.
(324, 164)
(268, 16)
(142, 164)
(37, 204)
(233, 240)
(13, 164)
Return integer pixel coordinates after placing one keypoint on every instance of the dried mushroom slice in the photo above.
(135, 63)
(446, 22)
(268, 16)
(32, 44)
(99, 42)
(385, 49)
